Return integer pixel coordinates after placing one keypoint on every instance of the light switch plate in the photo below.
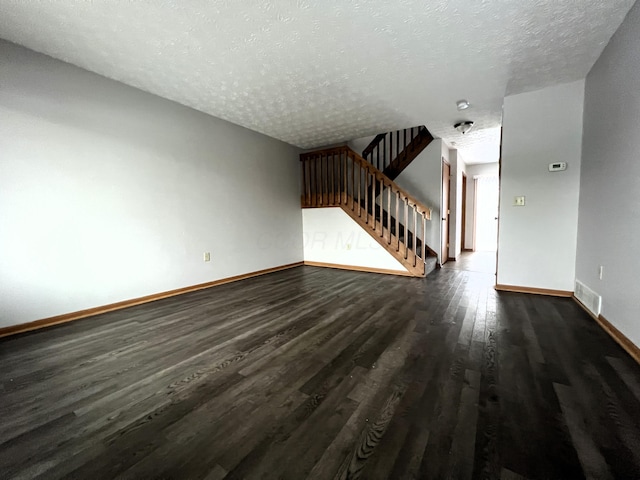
(518, 201)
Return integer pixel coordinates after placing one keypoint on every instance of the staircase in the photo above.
(392, 152)
(339, 177)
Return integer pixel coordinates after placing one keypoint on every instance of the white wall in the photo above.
(609, 221)
(331, 236)
(455, 232)
(474, 171)
(423, 179)
(108, 193)
(537, 242)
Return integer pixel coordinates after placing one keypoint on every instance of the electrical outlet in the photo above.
(600, 271)
(207, 256)
(518, 201)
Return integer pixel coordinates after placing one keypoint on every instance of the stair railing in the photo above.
(339, 177)
(386, 147)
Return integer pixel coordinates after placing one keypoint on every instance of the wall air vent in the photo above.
(588, 298)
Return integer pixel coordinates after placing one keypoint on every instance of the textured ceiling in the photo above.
(314, 73)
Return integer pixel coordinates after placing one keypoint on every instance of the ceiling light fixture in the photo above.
(463, 127)
(463, 104)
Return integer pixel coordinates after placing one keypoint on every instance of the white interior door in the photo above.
(487, 196)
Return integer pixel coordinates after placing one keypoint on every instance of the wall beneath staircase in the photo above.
(331, 236)
(108, 193)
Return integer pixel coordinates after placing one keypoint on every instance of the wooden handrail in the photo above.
(387, 149)
(373, 144)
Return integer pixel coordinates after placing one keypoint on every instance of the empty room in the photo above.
(323, 240)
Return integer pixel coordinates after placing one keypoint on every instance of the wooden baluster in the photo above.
(378, 207)
(384, 152)
(316, 181)
(353, 165)
(319, 177)
(405, 138)
(388, 214)
(390, 158)
(338, 181)
(382, 219)
(415, 235)
(397, 142)
(323, 161)
(366, 196)
(373, 199)
(312, 178)
(381, 207)
(397, 221)
(344, 195)
(313, 183)
(337, 186)
(325, 181)
(353, 185)
(406, 227)
(330, 179)
(424, 238)
(359, 189)
(308, 164)
(304, 183)
(371, 191)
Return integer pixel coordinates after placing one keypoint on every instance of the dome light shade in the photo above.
(463, 104)
(463, 127)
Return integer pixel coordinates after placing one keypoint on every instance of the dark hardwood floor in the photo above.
(320, 373)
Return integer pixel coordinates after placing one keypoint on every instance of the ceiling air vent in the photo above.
(588, 298)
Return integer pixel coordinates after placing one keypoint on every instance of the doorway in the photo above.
(463, 231)
(482, 213)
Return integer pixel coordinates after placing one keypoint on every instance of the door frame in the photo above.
(446, 216)
(463, 230)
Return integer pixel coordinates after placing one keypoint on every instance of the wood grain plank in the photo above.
(321, 373)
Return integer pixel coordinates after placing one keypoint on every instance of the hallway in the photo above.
(480, 262)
